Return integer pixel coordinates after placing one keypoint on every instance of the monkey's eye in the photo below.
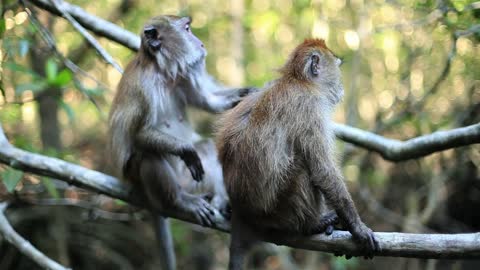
(339, 61)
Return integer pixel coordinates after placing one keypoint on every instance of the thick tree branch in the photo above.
(25, 247)
(454, 246)
(395, 150)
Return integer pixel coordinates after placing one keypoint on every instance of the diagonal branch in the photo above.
(453, 246)
(95, 24)
(60, 6)
(25, 247)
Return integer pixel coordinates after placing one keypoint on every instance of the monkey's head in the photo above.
(170, 40)
(312, 61)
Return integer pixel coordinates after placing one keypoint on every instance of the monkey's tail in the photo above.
(165, 242)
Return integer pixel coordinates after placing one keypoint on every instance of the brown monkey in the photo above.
(277, 152)
(152, 144)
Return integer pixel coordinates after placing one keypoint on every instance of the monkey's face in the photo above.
(170, 40)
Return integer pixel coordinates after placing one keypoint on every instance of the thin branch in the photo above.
(453, 246)
(60, 6)
(95, 24)
(95, 211)
(395, 150)
(25, 247)
(74, 68)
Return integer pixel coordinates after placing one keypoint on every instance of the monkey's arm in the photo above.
(159, 142)
(207, 94)
(327, 177)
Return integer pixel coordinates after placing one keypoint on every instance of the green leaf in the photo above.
(2, 27)
(18, 68)
(23, 47)
(51, 69)
(96, 92)
(10, 178)
(120, 202)
(68, 110)
(63, 78)
(35, 87)
(50, 186)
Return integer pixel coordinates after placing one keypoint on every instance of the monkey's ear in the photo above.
(150, 32)
(314, 66)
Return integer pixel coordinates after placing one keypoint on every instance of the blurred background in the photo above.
(410, 68)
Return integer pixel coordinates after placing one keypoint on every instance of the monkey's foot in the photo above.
(199, 207)
(327, 223)
(223, 205)
(365, 237)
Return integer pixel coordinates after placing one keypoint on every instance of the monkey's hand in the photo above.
(365, 237)
(194, 165)
(241, 93)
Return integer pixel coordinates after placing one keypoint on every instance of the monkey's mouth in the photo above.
(198, 61)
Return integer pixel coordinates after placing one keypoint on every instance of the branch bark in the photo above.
(451, 246)
(395, 150)
(97, 25)
(23, 245)
(59, 5)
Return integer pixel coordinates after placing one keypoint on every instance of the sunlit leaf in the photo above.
(50, 186)
(120, 202)
(63, 78)
(10, 178)
(51, 69)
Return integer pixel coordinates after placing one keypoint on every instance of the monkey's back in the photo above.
(265, 175)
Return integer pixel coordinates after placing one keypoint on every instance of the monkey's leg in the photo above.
(213, 179)
(241, 239)
(159, 181)
(165, 242)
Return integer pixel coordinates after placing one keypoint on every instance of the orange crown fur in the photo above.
(296, 62)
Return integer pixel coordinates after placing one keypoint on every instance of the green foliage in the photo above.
(341, 263)
(38, 83)
(68, 110)
(22, 69)
(51, 69)
(10, 178)
(2, 27)
(50, 186)
(54, 78)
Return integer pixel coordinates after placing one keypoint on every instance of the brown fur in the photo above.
(277, 150)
